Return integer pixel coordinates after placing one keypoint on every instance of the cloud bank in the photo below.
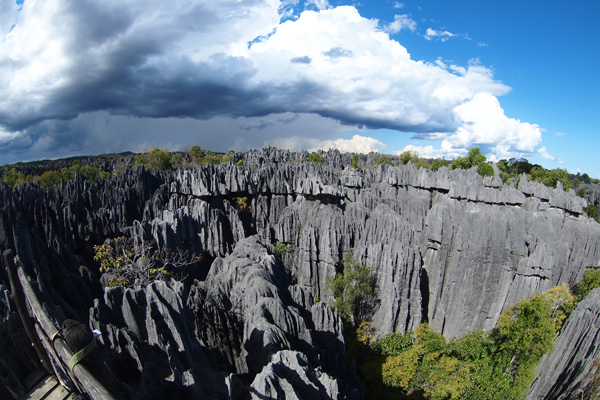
(242, 67)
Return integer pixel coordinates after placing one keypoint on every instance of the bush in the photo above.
(394, 343)
(550, 178)
(315, 158)
(124, 264)
(355, 161)
(589, 282)
(241, 203)
(353, 290)
(592, 211)
(383, 159)
(50, 179)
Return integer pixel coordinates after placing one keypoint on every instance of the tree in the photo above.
(353, 290)
(550, 177)
(50, 179)
(438, 163)
(159, 159)
(472, 159)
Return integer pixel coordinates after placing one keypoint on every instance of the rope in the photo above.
(81, 354)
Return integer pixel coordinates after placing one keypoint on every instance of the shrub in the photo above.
(241, 203)
(394, 343)
(383, 159)
(124, 264)
(550, 178)
(159, 159)
(50, 179)
(315, 158)
(281, 249)
(355, 161)
(592, 211)
(353, 290)
(589, 282)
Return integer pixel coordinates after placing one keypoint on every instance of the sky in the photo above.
(514, 78)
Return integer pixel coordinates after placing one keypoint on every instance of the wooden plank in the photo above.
(58, 393)
(35, 377)
(87, 382)
(18, 296)
(43, 388)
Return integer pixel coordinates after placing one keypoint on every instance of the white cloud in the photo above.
(430, 152)
(544, 154)
(559, 134)
(401, 22)
(399, 5)
(483, 124)
(432, 34)
(358, 144)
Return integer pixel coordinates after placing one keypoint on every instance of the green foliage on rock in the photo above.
(592, 211)
(550, 177)
(383, 159)
(353, 290)
(315, 158)
(589, 282)
(355, 161)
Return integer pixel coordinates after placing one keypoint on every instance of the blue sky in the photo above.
(518, 79)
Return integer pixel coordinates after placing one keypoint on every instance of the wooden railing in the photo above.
(52, 348)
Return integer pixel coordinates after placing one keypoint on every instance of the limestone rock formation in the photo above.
(447, 247)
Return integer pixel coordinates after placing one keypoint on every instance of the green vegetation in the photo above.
(48, 179)
(499, 364)
(315, 158)
(438, 163)
(355, 161)
(472, 159)
(550, 178)
(155, 160)
(281, 250)
(353, 290)
(383, 159)
(241, 203)
(592, 211)
(589, 282)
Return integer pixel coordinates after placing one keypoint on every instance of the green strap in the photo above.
(80, 355)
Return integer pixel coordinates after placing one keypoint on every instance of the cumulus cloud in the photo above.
(483, 124)
(432, 34)
(357, 144)
(227, 67)
(401, 22)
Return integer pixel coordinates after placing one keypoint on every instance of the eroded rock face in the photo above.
(260, 315)
(566, 373)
